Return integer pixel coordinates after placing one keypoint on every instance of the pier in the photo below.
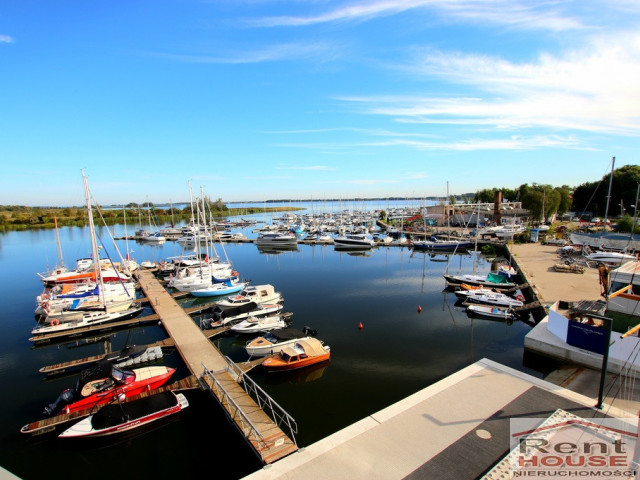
(221, 377)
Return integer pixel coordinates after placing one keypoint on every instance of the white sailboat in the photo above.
(92, 309)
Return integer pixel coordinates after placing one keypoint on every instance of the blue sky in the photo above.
(261, 99)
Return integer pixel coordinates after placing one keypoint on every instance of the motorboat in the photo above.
(219, 289)
(221, 317)
(275, 239)
(382, 239)
(100, 384)
(303, 353)
(353, 240)
(88, 319)
(440, 245)
(274, 342)
(610, 257)
(487, 296)
(491, 280)
(123, 416)
(491, 311)
(260, 324)
(252, 293)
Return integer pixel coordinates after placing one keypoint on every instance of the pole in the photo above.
(605, 358)
(606, 212)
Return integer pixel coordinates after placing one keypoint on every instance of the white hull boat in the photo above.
(121, 417)
(252, 293)
(87, 320)
(502, 313)
(260, 324)
(612, 258)
(354, 240)
(488, 297)
(274, 342)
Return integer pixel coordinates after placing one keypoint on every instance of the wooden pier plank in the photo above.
(200, 355)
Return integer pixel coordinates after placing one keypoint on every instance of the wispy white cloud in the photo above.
(267, 53)
(544, 15)
(591, 89)
(6, 39)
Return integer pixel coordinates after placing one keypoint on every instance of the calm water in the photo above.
(398, 352)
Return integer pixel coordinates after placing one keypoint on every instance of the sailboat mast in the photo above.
(60, 261)
(94, 243)
(606, 212)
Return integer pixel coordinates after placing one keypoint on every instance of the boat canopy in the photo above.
(497, 278)
(312, 347)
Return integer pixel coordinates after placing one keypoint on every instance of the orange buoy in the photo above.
(360, 326)
(419, 308)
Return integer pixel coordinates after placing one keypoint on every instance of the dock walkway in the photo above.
(207, 363)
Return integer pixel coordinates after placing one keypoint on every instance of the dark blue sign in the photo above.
(587, 337)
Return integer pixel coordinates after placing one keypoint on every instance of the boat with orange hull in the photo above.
(104, 382)
(302, 353)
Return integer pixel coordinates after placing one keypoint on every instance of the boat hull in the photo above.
(117, 418)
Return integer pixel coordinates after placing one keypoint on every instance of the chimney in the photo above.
(497, 202)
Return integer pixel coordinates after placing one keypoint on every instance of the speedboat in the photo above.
(491, 311)
(440, 245)
(273, 342)
(353, 240)
(274, 239)
(615, 258)
(491, 280)
(488, 297)
(303, 353)
(221, 317)
(252, 293)
(260, 324)
(100, 384)
(120, 417)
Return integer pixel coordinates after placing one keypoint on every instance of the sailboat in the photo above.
(435, 244)
(490, 280)
(93, 309)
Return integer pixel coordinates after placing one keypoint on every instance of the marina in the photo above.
(418, 293)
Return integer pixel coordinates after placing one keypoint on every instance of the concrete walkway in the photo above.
(464, 417)
(536, 262)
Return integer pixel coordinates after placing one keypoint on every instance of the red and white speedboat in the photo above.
(104, 382)
(121, 417)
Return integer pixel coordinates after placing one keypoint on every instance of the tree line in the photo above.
(587, 199)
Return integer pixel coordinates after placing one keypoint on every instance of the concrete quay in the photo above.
(456, 428)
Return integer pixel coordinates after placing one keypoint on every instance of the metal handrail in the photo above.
(220, 390)
(278, 414)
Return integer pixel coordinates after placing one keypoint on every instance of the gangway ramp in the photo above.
(202, 358)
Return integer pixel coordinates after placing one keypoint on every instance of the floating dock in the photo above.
(219, 375)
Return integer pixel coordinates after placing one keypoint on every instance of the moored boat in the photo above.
(101, 383)
(303, 353)
(260, 324)
(273, 342)
(120, 417)
(353, 240)
(491, 311)
(252, 293)
(88, 319)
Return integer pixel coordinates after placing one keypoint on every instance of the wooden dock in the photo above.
(46, 425)
(213, 370)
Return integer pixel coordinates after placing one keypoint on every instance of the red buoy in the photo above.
(360, 326)
(419, 308)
